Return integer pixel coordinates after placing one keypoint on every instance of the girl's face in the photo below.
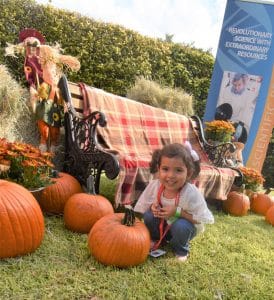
(172, 174)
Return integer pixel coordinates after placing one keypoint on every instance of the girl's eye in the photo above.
(164, 168)
(179, 170)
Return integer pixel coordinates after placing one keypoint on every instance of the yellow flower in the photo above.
(55, 117)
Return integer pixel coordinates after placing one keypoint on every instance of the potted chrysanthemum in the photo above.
(219, 131)
(25, 164)
(252, 179)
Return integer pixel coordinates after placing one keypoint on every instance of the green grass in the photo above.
(232, 259)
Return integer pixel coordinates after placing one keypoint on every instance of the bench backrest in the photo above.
(135, 129)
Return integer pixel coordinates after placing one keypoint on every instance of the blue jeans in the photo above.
(179, 235)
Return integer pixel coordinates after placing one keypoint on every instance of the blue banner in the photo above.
(240, 89)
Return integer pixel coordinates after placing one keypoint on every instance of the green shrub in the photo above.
(152, 93)
(111, 56)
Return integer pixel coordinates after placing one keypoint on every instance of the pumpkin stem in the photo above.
(90, 185)
(129, 217)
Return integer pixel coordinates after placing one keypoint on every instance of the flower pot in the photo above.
(37, 193)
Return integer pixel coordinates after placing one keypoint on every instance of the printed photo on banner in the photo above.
(237, 101)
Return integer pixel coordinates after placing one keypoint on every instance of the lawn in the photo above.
(232, 259)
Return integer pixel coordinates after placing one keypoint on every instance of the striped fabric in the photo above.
(134, 130)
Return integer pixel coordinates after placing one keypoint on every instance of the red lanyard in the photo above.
(163, 231)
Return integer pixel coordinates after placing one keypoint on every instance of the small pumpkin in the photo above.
(260, 203)
(269, 216)
(53, 197)
(21, 221)
(119, 240)
(82, 210)
(237, 204)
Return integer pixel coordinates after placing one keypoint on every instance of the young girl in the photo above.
(173, 209)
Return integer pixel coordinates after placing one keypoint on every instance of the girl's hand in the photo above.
(155, 209)
(167, 212)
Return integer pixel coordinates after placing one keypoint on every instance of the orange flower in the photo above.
(33, 149)
(31, 155)
(17, 147)
(219, 130)
(28, 166)
(252, 178)
(12, 153)
(3, 142)
(47, 155)
(5, 162)
(220, 125)
(29, 163)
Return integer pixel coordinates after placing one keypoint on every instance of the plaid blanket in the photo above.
(134, 130)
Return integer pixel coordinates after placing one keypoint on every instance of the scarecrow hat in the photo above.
(30, 32)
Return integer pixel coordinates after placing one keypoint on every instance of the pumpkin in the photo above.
(82, 210)
(53, 197)
(119, 240)
(237, 204)
(21, 221)
(269, 216)
(260, 203)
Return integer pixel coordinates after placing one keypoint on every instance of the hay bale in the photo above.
(17, 122)
(152, 93)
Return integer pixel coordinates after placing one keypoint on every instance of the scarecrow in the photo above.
(43, 68)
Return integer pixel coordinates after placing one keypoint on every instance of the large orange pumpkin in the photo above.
(21, 221)
(260, 203)
(54, 196)
(119, 240)
(269, 216)
(237, 204)
(82, 210)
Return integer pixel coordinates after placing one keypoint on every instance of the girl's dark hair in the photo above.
(154, 163)
(175, 150)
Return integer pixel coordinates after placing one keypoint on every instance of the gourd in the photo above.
(82, 210)
(120, 240)
(21, 221)
(269, 216)
(237, 204)
(260, 203)
(54, 196)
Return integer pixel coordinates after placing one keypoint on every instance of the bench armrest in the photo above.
(217, 154)
(83, 153)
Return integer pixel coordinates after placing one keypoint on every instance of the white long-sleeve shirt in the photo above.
(190, 200)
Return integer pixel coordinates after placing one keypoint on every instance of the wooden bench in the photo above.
(123, 144)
